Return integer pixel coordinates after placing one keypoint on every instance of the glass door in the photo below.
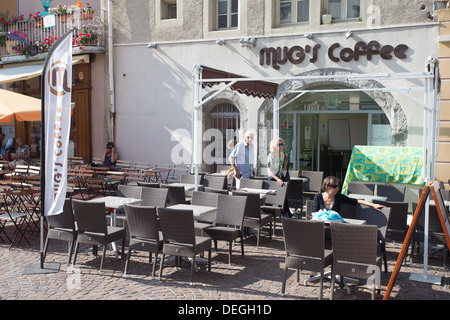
(307, 142)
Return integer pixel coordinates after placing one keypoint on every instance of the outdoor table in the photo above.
(113, 203)
(263, 193)
(366, 197)
(197, 209)
(187, 186)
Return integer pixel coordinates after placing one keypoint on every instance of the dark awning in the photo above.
(254, 88)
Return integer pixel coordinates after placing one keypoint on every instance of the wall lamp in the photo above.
(152, 45)
(348, 34)
(220, 42)
(309, 36)
(248, 42)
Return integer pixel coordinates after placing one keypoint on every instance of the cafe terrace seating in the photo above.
(62, 227)
(274, 203)
(228, 222)
(355, 254)
(251, 183)
(92, 228)
(361, 188)
(144, 232)
(304, 242)
(179, 237)
(313, 184)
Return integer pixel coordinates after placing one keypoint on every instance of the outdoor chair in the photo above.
(129, 191)
(20, 222)
(355, 254)
(178, 170)
(209, 199)
(274, 203)
(251, 183)
(144, 232)
(397, 226)
(253, 216)
(156, 197)
(149, 184)
(188, 178)
(228, 222)
(360, 188)
(313, 184)
(294, 195)
(62, 227)
(92, 228)
(379, 219)
(305, 248)
(392, 193)
(435, 233)
(178, 231)
(175, 195)
(216, 182)
(120, 164)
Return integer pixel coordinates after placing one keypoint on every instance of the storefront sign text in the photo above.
(336, 53)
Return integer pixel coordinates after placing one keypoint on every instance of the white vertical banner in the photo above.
(57, 87)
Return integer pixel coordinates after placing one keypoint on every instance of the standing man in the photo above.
(242, 159)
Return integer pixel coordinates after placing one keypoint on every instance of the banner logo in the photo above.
(58, 79)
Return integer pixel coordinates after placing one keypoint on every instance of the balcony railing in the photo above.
(30, 38)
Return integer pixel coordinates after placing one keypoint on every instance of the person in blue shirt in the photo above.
(242, 158)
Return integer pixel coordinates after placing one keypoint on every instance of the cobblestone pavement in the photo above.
(255, 276)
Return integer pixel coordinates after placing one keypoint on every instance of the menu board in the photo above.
(339, 134)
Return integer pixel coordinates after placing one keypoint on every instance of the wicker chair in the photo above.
(62, 227)
(435, 233)
(397, 226)
(379, 219)
(175, 195)
(148, 184)
(209, 199)
(228, 222)
(253, 217)
(392, 193)
(156, 197)
(354, 253)
(294, 194)
(251, 183)
(313, 184)
(361, 188)
(216, 182)
(92, 228)
(179, 237)
(129, 191)
(274, 203)
(144, 232)
(305, 248)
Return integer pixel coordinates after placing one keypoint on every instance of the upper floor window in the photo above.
(227, 14)
(294, 11)
(345, 9)
(168, 9)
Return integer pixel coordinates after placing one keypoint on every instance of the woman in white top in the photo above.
(277, 161)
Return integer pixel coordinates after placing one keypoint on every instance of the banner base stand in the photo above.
(427, 278)
(51, 267)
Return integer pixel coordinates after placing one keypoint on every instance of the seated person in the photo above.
(109, 158)
(331, 198)
(22, 154)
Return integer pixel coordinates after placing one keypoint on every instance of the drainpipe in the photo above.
(112, 94)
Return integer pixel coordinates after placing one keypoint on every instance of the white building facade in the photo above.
(322, 114)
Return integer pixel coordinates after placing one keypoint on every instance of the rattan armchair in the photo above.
(304, 242)
(62, 227)
(361, 188)
(156, 197)
(228, 222)
(92, 228)
(144, 232)
(275, 203)
(253, 216)
(251, 183)
(355, 254)
(178, 231)
(313, 183)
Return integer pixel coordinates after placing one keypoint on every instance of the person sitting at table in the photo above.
(109, 158)
(22, 154)
(331, 199)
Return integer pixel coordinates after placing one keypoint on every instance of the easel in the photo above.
(432, 186)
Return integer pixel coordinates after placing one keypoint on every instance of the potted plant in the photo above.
(326, 16)
(88, 12)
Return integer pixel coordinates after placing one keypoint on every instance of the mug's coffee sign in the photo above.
(336, 53)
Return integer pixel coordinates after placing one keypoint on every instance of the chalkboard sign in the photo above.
(339, 134)
(433, 187)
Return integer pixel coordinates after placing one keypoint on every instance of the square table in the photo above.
(366, 197)
(187, 186)
(197, 209)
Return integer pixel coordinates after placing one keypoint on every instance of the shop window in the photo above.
(293, 11)
(227, 14)
(343, 9)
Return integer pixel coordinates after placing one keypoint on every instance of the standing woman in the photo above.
(277, 161)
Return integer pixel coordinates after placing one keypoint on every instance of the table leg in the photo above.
(113, 224)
